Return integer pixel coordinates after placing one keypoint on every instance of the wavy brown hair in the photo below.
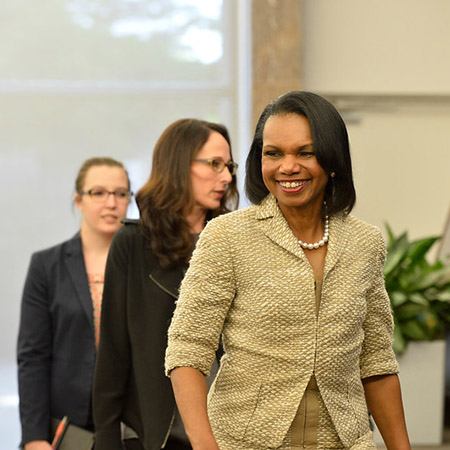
(167, 197)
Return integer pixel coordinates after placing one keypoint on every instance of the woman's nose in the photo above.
(111, 200)
(226, 175)
(290, 164)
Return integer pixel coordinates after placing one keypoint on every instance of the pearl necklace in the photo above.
(321, 243)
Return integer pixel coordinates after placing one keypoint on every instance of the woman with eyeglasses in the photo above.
(192, 180)
(60, 315)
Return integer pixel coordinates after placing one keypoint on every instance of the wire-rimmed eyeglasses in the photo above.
(101, 194)
(219, 164)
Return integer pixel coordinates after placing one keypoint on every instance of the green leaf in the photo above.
(418, 298)
(419, 291)
(408, 277)
(418, 249)
(391, 237)
(445, 317)
(429, 322)
(414, 331)
(408, 311)
(443, 296)
(399, 342)
(397, 298)
(430, 279)
(396, 252)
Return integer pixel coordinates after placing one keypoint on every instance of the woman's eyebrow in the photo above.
(302, 147)
(307, 147)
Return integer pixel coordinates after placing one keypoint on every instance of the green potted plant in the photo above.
(418, 289)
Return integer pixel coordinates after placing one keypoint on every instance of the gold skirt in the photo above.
(306, 421)
(312, 427)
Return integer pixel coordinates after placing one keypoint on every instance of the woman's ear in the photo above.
(77, 200)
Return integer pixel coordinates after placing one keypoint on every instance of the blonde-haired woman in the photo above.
(60, 315)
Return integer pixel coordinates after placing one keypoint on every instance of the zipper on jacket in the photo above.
(304, 422)
(169, 430)
(161, 286)
(316, 341)
(316, 330)
(315, 354)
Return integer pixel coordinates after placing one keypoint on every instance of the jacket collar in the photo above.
(77, 270)
(275, 227)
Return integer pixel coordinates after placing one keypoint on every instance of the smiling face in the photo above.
(289, 167)
(209, 186)
(103, 217)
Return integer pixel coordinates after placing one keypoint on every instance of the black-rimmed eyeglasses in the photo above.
(218, 165)
(101, 195)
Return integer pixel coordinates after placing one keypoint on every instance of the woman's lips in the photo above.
(292, 186)
(109, 218)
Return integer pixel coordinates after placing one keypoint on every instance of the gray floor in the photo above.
(444, 446)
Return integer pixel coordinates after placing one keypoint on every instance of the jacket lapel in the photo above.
(168, 280)
(275, 227)
(336, 244)
(77, 270)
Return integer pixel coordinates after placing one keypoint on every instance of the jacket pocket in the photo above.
(273, 414)
(231, 403)
(364, 442)
(358, 406)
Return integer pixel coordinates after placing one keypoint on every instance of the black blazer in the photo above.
(129, 384)
(56, 343)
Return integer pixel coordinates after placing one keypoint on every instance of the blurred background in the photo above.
(82, 78)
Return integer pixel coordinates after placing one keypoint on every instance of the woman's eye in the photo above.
(306, 154)
(97, 193)
(271, 153)
(216, 163)
(121, 194)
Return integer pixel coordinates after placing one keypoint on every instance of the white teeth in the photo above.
(292, 184)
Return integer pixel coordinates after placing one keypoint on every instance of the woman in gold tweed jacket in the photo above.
(294, 285)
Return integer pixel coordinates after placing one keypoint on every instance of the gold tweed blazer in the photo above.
(250, 281)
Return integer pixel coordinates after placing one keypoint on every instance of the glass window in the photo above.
(82, 78)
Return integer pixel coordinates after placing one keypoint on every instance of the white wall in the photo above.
(401, 161)
(386, 66)
(81, 79)
(377, 46)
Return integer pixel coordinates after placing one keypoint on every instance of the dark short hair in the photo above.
(331, 147)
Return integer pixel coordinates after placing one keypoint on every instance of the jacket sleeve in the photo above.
(34, 349)
(377, 356)
(113, 358)
(206, 294)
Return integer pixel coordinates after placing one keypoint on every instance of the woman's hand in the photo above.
(208, 444)
(384, 400)
(37, 445)
(190, 391)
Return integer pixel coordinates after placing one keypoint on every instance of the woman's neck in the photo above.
(309, 227)
(306, 225)
(196, 220)
(95, 249)
(94, 241)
